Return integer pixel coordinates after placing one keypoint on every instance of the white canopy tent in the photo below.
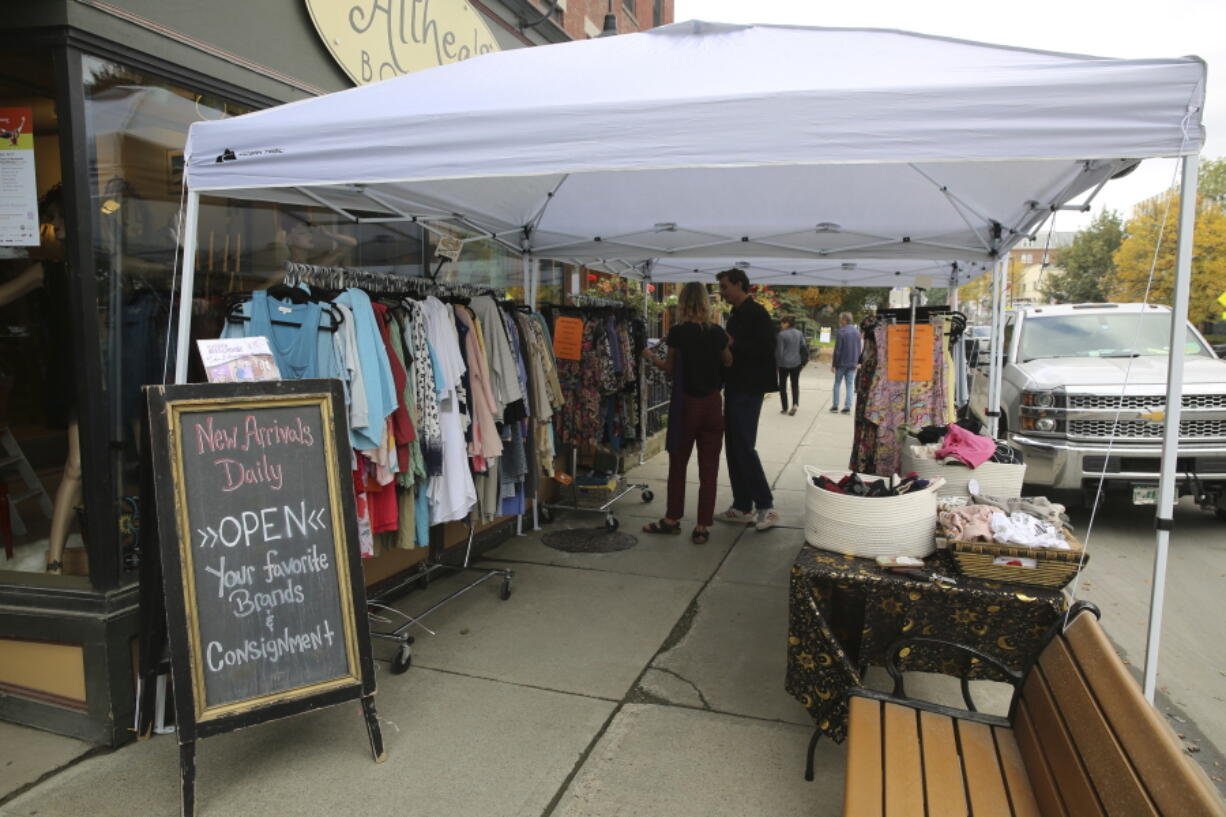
(721, 141)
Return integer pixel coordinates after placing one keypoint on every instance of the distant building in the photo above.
(1031, 261)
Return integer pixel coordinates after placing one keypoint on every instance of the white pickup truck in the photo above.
(1083, 392)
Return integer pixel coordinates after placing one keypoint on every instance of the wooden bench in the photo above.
(1080, 741)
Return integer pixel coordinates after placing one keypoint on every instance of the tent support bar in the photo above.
(183, 342)
(383, 202)
(535, 221)
(340, 211)
(1170, 435)
(958, 205)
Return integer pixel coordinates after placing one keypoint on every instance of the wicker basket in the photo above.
(995, 478)
(870, 526)
(1053, 568)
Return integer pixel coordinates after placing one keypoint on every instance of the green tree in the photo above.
(1137, 255)
(1211, 179)
(1088, 265)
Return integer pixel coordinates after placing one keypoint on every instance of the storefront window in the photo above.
(136, 126)
(40, 476)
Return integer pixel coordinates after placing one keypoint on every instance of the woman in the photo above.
(697, 354)
(790, 359)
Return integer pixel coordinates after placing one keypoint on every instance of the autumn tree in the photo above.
(1088, 265)
(1147, 230)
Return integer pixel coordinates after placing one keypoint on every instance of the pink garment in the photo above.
(972, 449)
(486, 442)
(971, 523)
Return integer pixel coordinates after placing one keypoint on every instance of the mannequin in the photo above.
(46, 258)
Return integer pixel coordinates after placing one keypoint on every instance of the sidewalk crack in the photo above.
(680, 677)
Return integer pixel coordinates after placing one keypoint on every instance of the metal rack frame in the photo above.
(376, 607)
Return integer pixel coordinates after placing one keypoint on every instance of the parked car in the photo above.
(1083, 395)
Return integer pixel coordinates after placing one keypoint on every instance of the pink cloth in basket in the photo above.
(972, 449)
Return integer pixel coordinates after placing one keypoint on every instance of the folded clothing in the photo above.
(1039, 507)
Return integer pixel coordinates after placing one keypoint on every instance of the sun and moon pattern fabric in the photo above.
(845, 612)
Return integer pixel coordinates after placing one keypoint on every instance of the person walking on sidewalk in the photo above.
(750, 377)
(846, 361)
(697, 355)
(789, 359)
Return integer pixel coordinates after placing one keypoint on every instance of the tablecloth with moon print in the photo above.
(845, 612)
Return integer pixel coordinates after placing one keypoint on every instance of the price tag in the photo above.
(568, 338)
(921, 354)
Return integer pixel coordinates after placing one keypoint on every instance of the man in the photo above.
(790, 356)
(846, 361)
(751, 375)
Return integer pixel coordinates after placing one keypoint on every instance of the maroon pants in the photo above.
(703, 423)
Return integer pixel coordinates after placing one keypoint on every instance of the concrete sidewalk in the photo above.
(646, 681)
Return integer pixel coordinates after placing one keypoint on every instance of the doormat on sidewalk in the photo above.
(589, 540)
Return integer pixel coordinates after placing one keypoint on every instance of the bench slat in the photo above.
(1176, 784)
(984, 780)
(1076, 790)
(1118, 786)
(904, 783)
(942, 765)
(1021, 794)
(1042, 781)
(863, 782)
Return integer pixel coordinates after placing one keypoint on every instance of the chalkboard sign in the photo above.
(261, 569)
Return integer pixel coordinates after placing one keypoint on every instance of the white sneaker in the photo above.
(735, 516)
(767, 519)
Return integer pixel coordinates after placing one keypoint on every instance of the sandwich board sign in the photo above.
(265, 603)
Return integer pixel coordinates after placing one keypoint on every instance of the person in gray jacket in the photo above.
(846, 361)
(789, 359)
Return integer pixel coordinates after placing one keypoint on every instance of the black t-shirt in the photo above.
(700, 348)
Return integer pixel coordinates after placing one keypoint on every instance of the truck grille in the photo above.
(1142, 402)
(1145, 430)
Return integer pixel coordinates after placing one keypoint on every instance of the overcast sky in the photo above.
(1124, 28)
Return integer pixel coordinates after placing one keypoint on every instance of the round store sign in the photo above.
(375, 40)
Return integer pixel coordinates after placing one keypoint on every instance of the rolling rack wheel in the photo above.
(611, 523)
(648, 495)
(506, 589)
(404, 657)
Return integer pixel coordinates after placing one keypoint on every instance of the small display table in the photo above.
(845, 612)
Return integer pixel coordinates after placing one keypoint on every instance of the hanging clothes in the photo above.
(881, 403)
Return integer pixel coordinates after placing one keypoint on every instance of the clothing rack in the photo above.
(378, 607)
(618, 485)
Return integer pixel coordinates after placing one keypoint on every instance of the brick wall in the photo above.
(585, 18)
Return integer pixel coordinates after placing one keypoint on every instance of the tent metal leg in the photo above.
(1170, 436)
(191, 219)
(997, 348)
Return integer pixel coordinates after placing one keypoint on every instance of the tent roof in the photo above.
(704, 139)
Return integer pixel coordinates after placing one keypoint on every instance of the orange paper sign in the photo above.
(921, 355)
(568, 338)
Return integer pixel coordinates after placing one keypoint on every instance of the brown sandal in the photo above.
(668, 528)
(700, 537)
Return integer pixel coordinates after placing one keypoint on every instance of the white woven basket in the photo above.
(995, 478)
(870, 526)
